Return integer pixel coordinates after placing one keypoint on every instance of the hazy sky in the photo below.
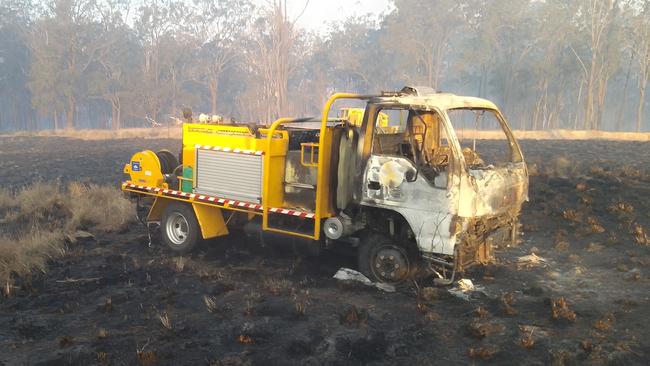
(321, 12)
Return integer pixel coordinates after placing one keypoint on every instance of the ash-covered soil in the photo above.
(113, 300)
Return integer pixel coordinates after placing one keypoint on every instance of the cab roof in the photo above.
(428, 98)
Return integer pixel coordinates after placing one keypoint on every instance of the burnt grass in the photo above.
(103, 301)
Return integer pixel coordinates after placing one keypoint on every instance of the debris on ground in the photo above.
(531, 260)
(464, 288)
(79, 235)
(347, 274)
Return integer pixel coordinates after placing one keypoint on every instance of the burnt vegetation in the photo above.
(85, 287)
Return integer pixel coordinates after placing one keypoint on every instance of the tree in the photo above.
(596, 18)
(418, 32)
(15, 98)
(219, 27)
(158, 25)
(95, 63)
(117, 63)
(551, 64)
(505, 36)
(271, 56)
(356, 60)
(641, 47)
(63, 48)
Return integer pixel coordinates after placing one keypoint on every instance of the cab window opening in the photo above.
(420, 138)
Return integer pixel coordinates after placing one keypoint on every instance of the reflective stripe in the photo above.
(223, 201)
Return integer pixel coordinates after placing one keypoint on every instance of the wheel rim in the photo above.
(177, 228)
(390, 263)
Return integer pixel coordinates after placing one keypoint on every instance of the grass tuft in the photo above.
(30, 253)
(560, 310)
(211, 303)
(98, 207)
(7, 199)
(165, 320)
(35, 221)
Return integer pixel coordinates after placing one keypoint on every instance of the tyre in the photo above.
(179, 228)
(383, 260)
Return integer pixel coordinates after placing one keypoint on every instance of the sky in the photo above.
(319, 13)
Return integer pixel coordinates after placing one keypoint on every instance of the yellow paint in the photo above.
(273, 169)
(323, 202)
(354, 116)
(210, 221)
(241, 137)
(326, 208)
(159, 205)
(209, 217)
(307, 152)
(150, 173)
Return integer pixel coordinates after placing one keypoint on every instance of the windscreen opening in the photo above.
(483, 140)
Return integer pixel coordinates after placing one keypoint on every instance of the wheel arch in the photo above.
(390, 223)
(210, 219)
(157, 209)
(430, 232)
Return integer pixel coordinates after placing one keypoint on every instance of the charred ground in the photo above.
(114, 300)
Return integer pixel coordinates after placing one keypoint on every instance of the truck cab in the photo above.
(415, 180)
(442, 188)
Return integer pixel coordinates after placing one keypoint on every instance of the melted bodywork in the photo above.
(460, 209)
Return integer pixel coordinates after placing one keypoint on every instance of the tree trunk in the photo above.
(69, 113)
(115, 115)
(428, 64)
(214, 93)
(639, 113)
(602, 93)
(589, 107)
(619, 117)
(575, 121)
(174, 91)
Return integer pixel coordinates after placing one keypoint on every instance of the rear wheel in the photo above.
(383, 260)
(180, 229)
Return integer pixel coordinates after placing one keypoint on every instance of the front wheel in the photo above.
(383, 260)
(180, 229)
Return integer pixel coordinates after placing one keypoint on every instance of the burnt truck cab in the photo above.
(442, 187)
